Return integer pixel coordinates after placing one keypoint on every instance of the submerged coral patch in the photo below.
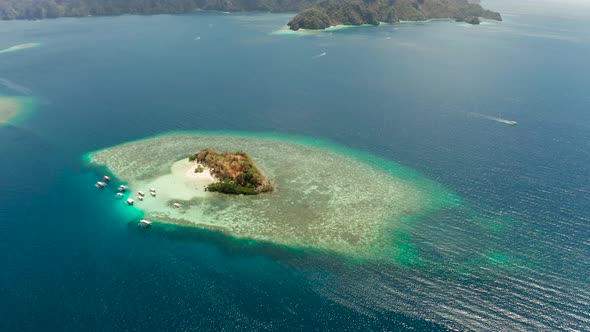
(13, 108)
(327, 197)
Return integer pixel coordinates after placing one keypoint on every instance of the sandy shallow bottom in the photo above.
(326, 199)
(9, 108)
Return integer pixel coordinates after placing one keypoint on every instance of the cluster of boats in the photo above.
(104, 182)
(122, 189)
(140, 196)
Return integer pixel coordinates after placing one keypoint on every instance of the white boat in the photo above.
(123, 188)
(100, 184)
(106, 178)
(119, 195)
(145, 223)
(130, 202)
(152, 190)
(153, 193)
(177, 205)
(140, 198)
(140, 193)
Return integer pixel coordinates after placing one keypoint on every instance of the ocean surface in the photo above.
(513, 255)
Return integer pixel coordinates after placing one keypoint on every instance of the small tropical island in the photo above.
(330, 198)
(313, 14)
(235, 173)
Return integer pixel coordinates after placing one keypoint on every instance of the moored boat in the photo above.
(145, 223)
(130, 202)
(100, 184)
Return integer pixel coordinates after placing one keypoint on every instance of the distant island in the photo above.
(313, 14)
(235, 173)
(327, 13)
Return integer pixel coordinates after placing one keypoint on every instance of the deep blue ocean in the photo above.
(514, 256)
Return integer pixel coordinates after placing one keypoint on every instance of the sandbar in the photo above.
(9, 109)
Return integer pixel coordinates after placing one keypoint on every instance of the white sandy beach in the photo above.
(181, 184)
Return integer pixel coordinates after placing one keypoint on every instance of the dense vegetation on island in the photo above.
(326, 13)
(236, 173)
(314, 14)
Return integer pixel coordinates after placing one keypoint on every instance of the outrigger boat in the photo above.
(145, 223)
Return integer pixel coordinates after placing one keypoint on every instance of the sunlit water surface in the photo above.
(511, 252)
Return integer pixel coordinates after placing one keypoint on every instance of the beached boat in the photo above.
(145, 223)
(100, 184)
(130, 202)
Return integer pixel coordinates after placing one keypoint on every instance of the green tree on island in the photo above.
(236, 172)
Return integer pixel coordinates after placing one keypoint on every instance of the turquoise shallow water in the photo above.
(512, 255)
(328, 197)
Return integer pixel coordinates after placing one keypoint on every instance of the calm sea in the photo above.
(513, 256)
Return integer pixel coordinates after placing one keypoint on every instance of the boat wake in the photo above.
(483, 116)
(319, 55)
(19, 47)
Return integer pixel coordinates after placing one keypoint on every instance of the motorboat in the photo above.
(145, 223)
